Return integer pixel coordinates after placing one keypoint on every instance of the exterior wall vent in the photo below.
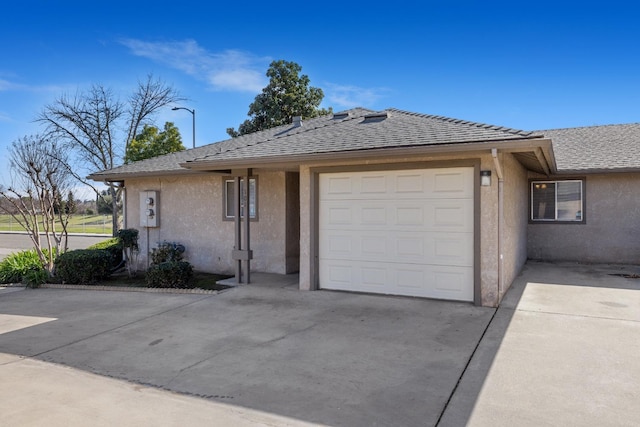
(297, 121)
(376, 117)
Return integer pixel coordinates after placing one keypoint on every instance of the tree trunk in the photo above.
(114, 208)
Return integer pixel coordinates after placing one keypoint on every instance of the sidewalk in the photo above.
(562, 350)
(108, 402)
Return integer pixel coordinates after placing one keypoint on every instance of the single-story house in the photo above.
(392, 202)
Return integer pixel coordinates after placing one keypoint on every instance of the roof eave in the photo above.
(512, 145)
(596, 171)
(114, 177)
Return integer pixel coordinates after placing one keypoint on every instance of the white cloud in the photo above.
(6, 85)
(348, 96)
(227, 70)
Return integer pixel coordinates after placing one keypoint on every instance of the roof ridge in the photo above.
(280, 135)
(588, 127)
(464, 122)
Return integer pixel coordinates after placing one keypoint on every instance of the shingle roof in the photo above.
(361, 129)
(596, 148)
(355, 129)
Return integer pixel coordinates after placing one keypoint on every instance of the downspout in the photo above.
(124, 207)
(496, 162)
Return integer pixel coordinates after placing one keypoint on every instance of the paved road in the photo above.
(14, 242)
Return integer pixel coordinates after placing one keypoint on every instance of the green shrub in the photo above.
(170, 274)
(35, 277)
(84, 266)
(167, 252)
(14, 267)
(114, 246)
(128, 238)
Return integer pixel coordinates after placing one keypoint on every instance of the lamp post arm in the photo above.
(193, 113)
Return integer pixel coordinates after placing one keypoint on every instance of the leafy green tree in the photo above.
(287, 95)
(66, 207)
(71, 204)
(152, 143)
(103, 203)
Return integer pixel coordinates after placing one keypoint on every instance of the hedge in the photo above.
(171, 274)
(84, 266)
(114, 246)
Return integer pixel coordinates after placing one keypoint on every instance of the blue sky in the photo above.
(526, 66)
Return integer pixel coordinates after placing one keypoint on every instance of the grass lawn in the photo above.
(93, 224)
(200, 280)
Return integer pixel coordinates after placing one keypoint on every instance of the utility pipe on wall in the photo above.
(498, 166)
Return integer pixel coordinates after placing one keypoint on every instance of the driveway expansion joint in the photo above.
(466, 366)
(577, 315)
(13, 362)
(120, 326)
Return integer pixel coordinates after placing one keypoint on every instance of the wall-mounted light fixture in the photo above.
(485, 178)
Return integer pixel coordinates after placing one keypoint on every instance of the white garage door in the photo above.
(401, 232)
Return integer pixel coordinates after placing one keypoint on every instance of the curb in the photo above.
(12, 285)
(131, 289)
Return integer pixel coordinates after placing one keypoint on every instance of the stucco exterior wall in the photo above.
(306, 229)
(611, 229)
(488, 219)
(489, 236)
(514, 248)
(191, 211)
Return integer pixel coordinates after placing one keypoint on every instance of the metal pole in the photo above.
(247, 222)
(237, 226)
(193, 113)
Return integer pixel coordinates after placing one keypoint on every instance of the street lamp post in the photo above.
(193, 113)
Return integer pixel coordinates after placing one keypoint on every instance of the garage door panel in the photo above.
(411, 182)
(452, 182)
(398, 215)
(371, 184)
(423, 183)
(373, 215)
(404, 232)
(401, 279)
(338, 185)
(373, 277)
(339, 215)
(414, 247)
(452, 215)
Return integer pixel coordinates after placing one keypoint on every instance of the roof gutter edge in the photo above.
(503, 145)
(149, 174)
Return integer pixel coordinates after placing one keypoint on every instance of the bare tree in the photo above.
(35, 199)
(89, 123)
(149, 97)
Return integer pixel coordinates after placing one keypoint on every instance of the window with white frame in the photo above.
(560, 201)
(228, 193)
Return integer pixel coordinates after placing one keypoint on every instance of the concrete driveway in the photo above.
(561, 350)
(259, 355)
